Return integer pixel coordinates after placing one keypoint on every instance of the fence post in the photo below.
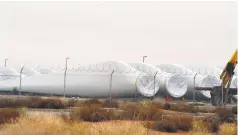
(65, 81)
(21, 78)
(194, 87)
(110, 86)
(154, 82)
(37, 67)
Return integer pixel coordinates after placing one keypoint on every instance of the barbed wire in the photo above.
(122, 69)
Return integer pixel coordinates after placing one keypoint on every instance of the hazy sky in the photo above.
(45, 33)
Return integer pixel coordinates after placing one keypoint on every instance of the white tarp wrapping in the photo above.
(8, 73)
(173, 85)
(28, 71)
(93, 82)
(45, 71)
(200, 81)
(206, 70)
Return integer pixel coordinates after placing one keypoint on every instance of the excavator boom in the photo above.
(221, 95)
(228, 72)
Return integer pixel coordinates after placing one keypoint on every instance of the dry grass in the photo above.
(226, 115)
(73, 103)
(206, 125)
(9, 115)
(199, 133)
(111, 104)
(144, 110)
(199, 126)
(109, 121)
(54, 125)
(228, 129)
(92, 113)
(42, 125)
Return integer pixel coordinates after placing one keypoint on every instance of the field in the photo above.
(59, 116)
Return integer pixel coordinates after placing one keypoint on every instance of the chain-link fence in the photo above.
(116, 79)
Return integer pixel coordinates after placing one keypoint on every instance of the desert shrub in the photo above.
(130, 110)
(33, 102)
(185, 123)
(93, 102)
(147, 111)
(4, 102)
(205, 110)
(165, 126)
(15, 102)
(234, 110)
(228, 129)
(206, 125)
(51, 103)
(111, 104)
(143, 110)
(53, 125)
(92, 113)
(226, 115)
(88, 102)
(9, 115)
(212, 124)
(172, 123)
(159, 103)
(156, 116)
(183, 107)
(182, 122)
(73, 103)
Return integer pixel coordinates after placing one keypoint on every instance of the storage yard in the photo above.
(114, 93)
(118, 68)
(113, 79)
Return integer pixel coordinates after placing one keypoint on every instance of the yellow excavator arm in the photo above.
(228, 72)
(221, 95)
